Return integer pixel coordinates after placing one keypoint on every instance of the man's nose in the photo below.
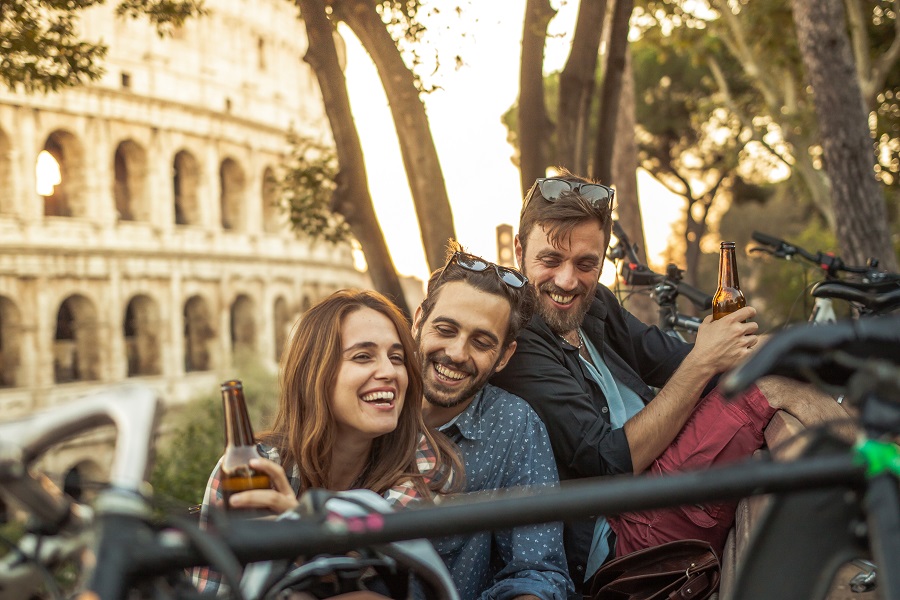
(565, 277)
(456, 350)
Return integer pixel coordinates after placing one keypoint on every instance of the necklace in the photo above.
(580, 340)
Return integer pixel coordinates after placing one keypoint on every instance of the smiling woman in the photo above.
(349, 414)
(369, 389)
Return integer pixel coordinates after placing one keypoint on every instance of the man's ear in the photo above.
(507, 354)
(518, 246)
(417, 321)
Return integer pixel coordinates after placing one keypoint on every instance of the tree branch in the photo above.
(859, 38)
(737, 43)
(885, 64)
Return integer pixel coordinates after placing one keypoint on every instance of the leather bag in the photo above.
(684, 569)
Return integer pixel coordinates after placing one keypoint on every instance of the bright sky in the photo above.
(482, 182)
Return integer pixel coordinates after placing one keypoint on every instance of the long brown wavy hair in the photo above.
(304, 431)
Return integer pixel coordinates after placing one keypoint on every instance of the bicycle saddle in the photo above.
(807, 352)
(876, 297)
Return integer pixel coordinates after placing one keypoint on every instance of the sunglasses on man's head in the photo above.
(551, 188)
(469, 262)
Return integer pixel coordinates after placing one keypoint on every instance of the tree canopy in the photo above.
(42, 50)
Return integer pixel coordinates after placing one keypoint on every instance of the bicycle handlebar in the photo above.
(637, 273)
(808, 352)
(698, 297)
(831, 264)
(768, 240)
(631, 255)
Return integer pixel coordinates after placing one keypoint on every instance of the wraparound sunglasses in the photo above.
(551, 188)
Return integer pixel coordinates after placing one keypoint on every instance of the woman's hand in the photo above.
(278, 499)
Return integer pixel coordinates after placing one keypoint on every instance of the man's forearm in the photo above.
(651, 431)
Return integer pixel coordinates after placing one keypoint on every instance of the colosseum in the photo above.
(139, 234)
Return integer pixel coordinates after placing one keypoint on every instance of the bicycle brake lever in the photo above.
(777, 252)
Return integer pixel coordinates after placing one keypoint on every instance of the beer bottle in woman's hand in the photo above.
(240, 446)
(729, 296)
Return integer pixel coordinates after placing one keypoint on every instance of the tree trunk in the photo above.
(694, 231)
(534, 125)
(859, 206)
(576, 87)
(352, 199)
(612, 89)
(420, 158)
(625, 165)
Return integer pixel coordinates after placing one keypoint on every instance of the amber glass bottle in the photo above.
(240, 446)
(729, 296)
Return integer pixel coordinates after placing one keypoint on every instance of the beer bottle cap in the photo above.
(232, 384)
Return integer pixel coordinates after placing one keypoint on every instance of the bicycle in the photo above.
(828, 491)
(869, 292)
(837, 527)
(124, 550)
(664, 288)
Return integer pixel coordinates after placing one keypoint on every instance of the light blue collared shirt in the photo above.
(623, 404)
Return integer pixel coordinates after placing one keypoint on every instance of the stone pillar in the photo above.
(112, 318)
(173, 362)
(160, 185)
(209, 192)
(45, 321)
(24, 132)
(99, 173)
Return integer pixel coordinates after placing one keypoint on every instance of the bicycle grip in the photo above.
(768, 240)
(698, 297)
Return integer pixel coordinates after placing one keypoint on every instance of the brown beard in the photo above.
(563, 322)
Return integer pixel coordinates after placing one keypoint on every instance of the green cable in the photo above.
(878, 457)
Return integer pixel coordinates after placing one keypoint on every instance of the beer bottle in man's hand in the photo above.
(729, 296)
(240, 446)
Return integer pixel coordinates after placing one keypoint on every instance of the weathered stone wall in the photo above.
(159, 253)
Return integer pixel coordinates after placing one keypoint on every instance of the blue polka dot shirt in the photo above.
(504, 444)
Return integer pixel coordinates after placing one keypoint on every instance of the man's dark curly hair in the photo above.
(521, 300)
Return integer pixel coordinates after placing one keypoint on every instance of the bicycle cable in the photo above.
(52, 585)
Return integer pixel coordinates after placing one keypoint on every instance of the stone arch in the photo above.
(243, 326)
(10, 342)
(305, 304)
(186, 182)
(7, 200)
(130, 181)
(198, 335)
(140, 328)
(82, 480)
(67, 198)
(272, 218)
(282, 322)
(232, 187)
(76, 343)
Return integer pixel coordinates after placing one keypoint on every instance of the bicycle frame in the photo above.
(665, 288)
(823, 311)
